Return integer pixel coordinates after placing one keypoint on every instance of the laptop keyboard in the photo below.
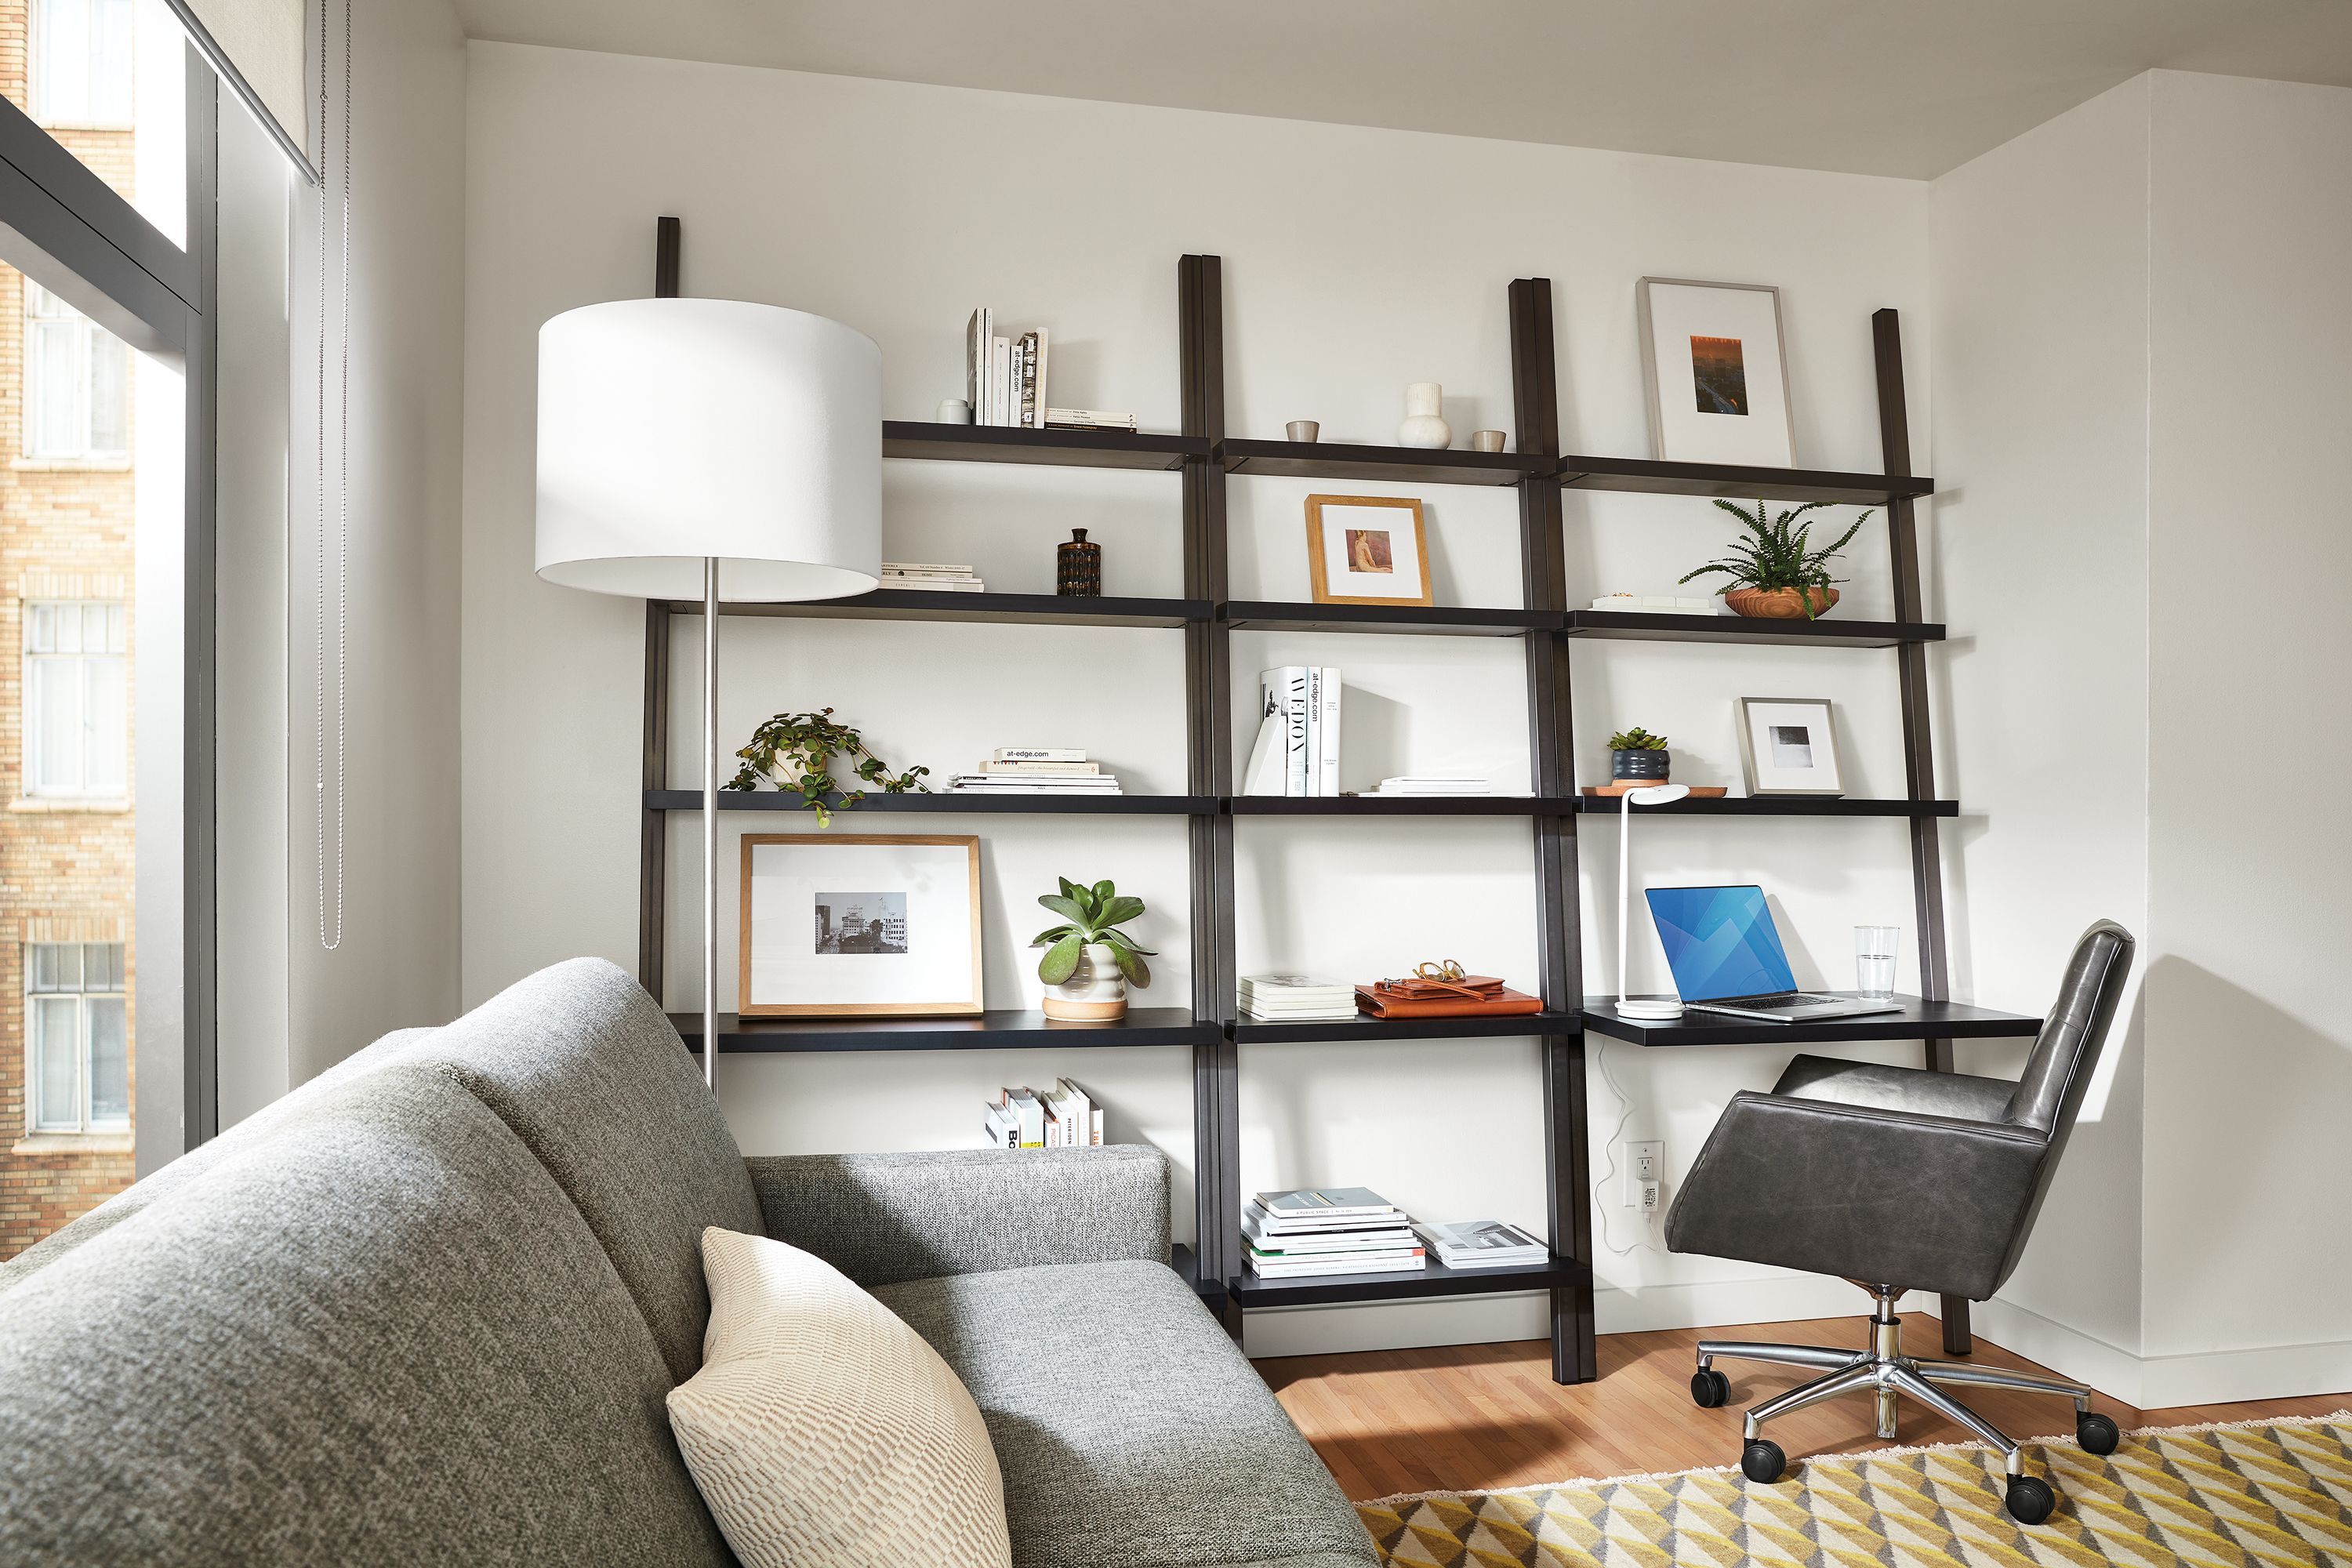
(1779, 1004)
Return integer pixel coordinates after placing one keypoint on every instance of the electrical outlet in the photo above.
(1645, 1167)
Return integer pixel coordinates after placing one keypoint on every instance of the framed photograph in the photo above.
(836, 925)
(1713, 364)
(1367, 549)
(1788, 746)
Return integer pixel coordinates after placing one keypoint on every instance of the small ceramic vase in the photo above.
(1094, 993)
(1303, 430)
(953, 411)
(1424, 420)
(1077, 567)
(1485, 440)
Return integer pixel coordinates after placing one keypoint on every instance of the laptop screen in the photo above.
(1720, 942)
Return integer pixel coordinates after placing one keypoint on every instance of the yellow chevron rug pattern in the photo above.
(2247, 1496)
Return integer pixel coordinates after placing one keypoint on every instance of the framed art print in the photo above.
(838, 925)
(1713, 364)
(1367, 549)
(1789, 745)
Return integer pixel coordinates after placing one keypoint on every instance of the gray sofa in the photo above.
(428, 1307)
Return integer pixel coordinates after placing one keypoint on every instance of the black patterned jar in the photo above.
(1077, 567)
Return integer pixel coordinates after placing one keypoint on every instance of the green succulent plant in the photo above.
(1776, 554)
(1636, 740)
(1090, 915)
(814, 740)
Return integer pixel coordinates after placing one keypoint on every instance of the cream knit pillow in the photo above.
(822, 1429)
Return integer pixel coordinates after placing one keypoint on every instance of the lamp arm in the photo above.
(1624, 884)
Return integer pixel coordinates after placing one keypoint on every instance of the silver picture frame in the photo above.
(1653, 391)
(1827, 744)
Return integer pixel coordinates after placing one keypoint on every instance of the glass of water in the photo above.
(1873, 961)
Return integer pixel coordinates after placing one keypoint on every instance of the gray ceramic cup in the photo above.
(1303, 429)
(1485, 440)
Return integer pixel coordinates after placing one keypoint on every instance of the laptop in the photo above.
(1727, 957)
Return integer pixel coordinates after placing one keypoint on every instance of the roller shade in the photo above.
(257, 47)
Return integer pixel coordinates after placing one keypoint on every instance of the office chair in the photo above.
(1896, 1180)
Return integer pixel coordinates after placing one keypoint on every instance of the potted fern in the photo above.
(1636, 755)
(1088, 960)
(1776, 572)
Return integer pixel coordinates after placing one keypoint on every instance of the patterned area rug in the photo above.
(2269, 1492)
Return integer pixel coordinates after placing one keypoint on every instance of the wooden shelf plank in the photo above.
(1661, 627)
(997, 1029)
(1416, 620)
(876, 801)
(1022, 609)
(1058, 448)
(1918, 1020)
(1434, 1280)
(1738, 482)
(1260, 1031)
(1773, 805)
(1403, 806)
(1401, 464)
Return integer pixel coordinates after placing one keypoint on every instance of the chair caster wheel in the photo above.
(2097, 1433)
(1710, 1390)
(1762, 1461)
(2030, 1500)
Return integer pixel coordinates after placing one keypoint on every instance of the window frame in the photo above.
(37, 90)
(88, 340)
(86, 1123)
(117, 635)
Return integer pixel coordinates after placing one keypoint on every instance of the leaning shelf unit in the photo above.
(1203, 457)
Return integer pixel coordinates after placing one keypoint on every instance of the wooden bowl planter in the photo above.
(1779, 603)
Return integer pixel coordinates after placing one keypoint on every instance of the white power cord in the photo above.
(1609, 1178)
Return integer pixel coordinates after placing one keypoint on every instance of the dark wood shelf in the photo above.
(1736, 482)
(1060, 448)
(876, 800)
(1402, 806)
(1020, 609)
(1772, 806)
(1414, 620)
(997, 1029)
(1251, 1031)
(1434, 1280)
(1919, 1020)
(1402, 465)
(1654, 626)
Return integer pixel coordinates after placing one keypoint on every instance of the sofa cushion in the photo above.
(823, 1432)
(1129, 1428)
(380, 1336)
(588, 1072)
(262, 1123)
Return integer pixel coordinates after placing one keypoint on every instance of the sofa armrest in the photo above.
(882, 1218)
(1894, 1197)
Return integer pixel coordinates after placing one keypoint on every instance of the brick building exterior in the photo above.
(65, 849)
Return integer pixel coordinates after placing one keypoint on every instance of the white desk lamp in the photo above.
(1657, 794)
(714, 449)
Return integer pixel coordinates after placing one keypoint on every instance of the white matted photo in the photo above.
(1367, 549)
(1713, 363)
(1788, 746)
(836, 925)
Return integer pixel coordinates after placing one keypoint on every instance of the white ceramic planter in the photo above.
(1095, 992)
(1425, 418)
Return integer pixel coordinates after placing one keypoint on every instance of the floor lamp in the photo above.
(1657, 795)
(715, 450)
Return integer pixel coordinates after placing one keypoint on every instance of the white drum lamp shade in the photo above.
(677, 431)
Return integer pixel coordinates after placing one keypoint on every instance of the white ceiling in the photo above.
(1881, 87)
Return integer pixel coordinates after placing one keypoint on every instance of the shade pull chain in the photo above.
(330, 923)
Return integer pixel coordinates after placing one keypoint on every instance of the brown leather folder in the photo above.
(1472, 996)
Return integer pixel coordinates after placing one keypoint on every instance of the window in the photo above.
(77, 384)
(81, 65)
(77, 716)
(81, 1048)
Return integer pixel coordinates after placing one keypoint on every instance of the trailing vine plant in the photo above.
(810, 742)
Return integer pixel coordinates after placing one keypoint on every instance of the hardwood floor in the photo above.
(1479, 1417)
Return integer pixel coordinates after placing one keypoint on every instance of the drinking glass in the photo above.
(1873, 961)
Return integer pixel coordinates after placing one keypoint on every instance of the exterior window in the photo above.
(77, 716)
(81, 1048)
(82, 62)
(76, 383)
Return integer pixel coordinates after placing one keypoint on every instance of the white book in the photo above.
(1000, 781)
(1000, 379)
(1098, 1126)
(1391, 1240)
(1095, 417)
(1303, 983)
(1035, 407)
(930, 568)
(917, 585)
(979, 336)
(1263, 775)
(1042, 770)
(1314, 673)
(1326, 720)
(1298, 1014)
(1410, 1265)
(1038, 754)
(1284, 694)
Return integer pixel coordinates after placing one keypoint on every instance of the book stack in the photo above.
(1482, 1244)
(1088, 419)
(1328, 1230)
(1660, 604)
(1433, 783)
(1297, 998)
(1063, 1116)
(1298, 747)
(1036, 770)
(1003, 373)
(931, 577)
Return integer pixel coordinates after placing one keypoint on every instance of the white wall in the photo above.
(1355, 260)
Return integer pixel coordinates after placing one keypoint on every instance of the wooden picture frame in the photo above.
(1331, 561)
(901, 936)
(1773, 766)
